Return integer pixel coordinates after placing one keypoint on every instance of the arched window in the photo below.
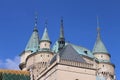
(48, 55)
(103, 65)
(45, 44)
(41, 55)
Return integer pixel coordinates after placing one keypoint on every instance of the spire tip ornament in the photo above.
(36, 20)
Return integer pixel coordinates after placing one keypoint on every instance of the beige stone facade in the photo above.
(101, 56)
(63, 69)
(65, 72)
(45, 45)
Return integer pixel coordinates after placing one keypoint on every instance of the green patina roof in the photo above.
(83, 51)
(45, 36)
(33, 43)
(80, 50)
(55, 47)
(99, 46)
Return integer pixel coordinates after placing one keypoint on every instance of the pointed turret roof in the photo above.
(61, 29)
(35, 27)
(45, 36)
(61, 39)
(33, 43)
(99, 46)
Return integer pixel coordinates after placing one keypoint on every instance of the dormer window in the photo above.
(85, 52)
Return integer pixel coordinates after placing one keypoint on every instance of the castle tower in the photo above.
(105, 67)
(39, 61)
(61, 40)
(45, 40)
(66, 61)
(31, 47)
(45, 47)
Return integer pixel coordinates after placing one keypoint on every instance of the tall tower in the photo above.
(61, 41)
(105, 67)
(37, 54)
(39, 61)
(31, 47)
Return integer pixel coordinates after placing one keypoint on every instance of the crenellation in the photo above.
(77, 64)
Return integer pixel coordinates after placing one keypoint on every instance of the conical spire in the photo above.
(61, 29)
(99, 46)
(61, 40)
(33, 43)
(45, 36)
(35, 26)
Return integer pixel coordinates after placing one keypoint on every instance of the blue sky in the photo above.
(17, 22)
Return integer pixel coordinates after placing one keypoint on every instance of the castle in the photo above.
(65, 61)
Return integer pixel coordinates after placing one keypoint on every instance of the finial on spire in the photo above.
(61, 29)
(61, 21)
(46, 23)
(61, 40)
(36, 19)
(98, 27)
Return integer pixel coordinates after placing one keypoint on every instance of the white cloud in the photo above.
(10, 63)
(1, 64)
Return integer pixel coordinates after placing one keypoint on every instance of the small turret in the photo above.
(45, 40)
(105, 67)
(99, 48)
(61, 40)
